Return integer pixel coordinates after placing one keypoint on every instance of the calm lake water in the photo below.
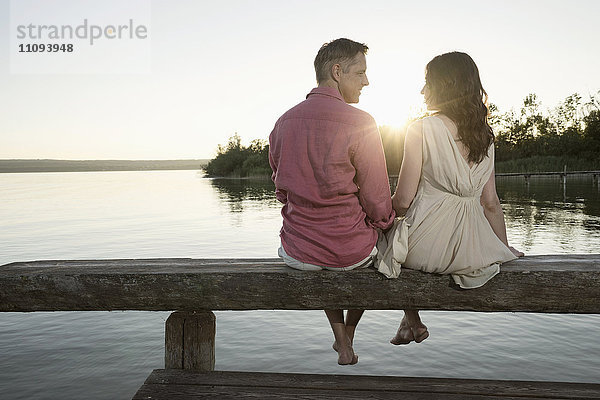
(108, 355)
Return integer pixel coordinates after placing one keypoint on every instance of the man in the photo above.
(330, 174)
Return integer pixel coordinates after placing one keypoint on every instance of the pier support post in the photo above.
(190, 341)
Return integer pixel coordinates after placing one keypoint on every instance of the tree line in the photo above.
(238, 161)
(534, 139)
(531, 139)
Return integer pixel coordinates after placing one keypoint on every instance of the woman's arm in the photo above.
(410, 171)
(492, 210)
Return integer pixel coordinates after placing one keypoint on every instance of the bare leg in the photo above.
(352, 319)
(345, 352)
(411, 328)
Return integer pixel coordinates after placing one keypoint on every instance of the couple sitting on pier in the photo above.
(330, 174)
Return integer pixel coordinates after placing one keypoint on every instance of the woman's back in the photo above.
(448, 232)
(445, 167)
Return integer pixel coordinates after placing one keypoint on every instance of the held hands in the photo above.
(516, 252)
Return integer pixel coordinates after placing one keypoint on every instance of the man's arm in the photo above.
(273, 161)
(372, 179)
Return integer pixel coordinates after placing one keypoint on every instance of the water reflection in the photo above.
(578, 194)
(151, 214)
(542, 217)
(239, 194)
(546, 211)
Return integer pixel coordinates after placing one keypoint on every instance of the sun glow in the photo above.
(392, 109)
(393, 96)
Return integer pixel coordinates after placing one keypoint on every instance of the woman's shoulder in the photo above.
(423, 125)
(429, 118)
(414, 131)
(429, 121)
(417, 126)
(414, 135)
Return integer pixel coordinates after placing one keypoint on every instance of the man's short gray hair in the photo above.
(338, 51)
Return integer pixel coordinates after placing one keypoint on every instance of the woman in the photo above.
(446, 190)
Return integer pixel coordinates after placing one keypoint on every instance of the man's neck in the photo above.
(329, 83)
(332, 84)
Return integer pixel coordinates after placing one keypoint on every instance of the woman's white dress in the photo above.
(445, 230)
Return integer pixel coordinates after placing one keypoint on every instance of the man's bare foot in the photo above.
(407, 333)
(336, 347)
(343, 358)
(346, 356)
(350, 334)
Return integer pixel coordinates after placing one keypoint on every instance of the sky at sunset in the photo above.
(214, 68)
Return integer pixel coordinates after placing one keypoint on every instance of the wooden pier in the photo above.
(171, 384)
(195, 288)
(527, 175)
(563, 175)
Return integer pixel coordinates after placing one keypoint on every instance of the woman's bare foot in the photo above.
(407, 333)
(516, 252)
(404, 335)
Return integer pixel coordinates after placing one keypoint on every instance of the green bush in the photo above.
(237, 161)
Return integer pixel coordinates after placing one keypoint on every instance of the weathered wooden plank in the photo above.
(226, 384)
(190, 341)
(558, 283)
(186, 392)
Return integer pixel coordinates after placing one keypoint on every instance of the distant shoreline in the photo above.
(50, 165)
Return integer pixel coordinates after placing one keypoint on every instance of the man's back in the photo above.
(322, 151)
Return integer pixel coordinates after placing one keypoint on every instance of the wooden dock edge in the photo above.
(165, 384)
(196, 287)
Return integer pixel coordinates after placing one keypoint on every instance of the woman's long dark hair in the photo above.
(455, 90)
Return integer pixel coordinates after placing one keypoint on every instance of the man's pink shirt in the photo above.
(330, 174)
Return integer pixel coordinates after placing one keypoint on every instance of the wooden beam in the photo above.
(173, 384)
(549, 284)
